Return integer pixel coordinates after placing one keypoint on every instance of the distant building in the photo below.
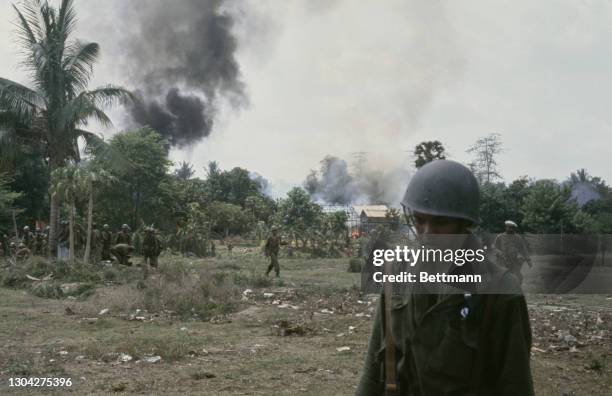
(364, 218)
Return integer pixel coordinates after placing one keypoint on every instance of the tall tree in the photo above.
(184, 171)
(485, 150)
(428, 151)
(55, 110)
(92, 179)
(67, 184)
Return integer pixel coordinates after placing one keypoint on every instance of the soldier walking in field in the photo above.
(106, 240)
(271, 250)
(512, 250)
(434, 343)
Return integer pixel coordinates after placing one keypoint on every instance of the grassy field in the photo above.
(218, 327)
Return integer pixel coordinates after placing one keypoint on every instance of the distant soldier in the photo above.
(151, 248)
(39, 243)
(96, 242)
(230, 247)
(271, 250)
(106, 240)
(22, 253)
(122, 253)
(512, 250)
(124, 236)
(213, 248)
(27, 237)
(12, 249)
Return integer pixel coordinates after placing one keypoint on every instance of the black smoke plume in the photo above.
(182, 60)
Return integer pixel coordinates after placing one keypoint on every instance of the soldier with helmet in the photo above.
(151, 248)
(28, 237)
(464, 343)
(124, 235)
(123, 253)
(271, 249)
(39, 243)
(512, 250)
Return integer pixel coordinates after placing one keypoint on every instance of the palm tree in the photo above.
(68, 183)
(92, 179)
(54, 110)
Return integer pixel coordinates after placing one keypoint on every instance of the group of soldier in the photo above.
(26, 244)
(105, 245)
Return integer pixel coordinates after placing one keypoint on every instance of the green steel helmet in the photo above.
(125, 227)
(444, 188)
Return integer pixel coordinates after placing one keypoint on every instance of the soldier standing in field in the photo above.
(106, 240)
(512, 250)
(434, 344)
(271, 250)
(123, 236)
(151, 247)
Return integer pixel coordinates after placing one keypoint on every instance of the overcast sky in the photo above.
(337, 77)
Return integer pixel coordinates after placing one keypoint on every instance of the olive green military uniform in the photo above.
(39, 244)
(440, 350)
(106, 240)
(122, 252)
(151, 248)
(512, 251)
(272, 249)
(28, 239)
(123, 237)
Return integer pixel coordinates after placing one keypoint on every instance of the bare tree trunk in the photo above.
(53, 220)
(71, 237)
(89, 225)
(15, 224)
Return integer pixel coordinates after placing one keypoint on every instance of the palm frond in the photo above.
(78, 63)
(88, 105)
(113, 159)
(67, 18)
(21, 101)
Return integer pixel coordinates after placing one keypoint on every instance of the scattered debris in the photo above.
(68, 311)
(343, 349)
(246, 294)
(152, 359)
(284, 328)
(268, 295)
(219, 319)
(103, 312)
(30, 277)
(124, 358)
